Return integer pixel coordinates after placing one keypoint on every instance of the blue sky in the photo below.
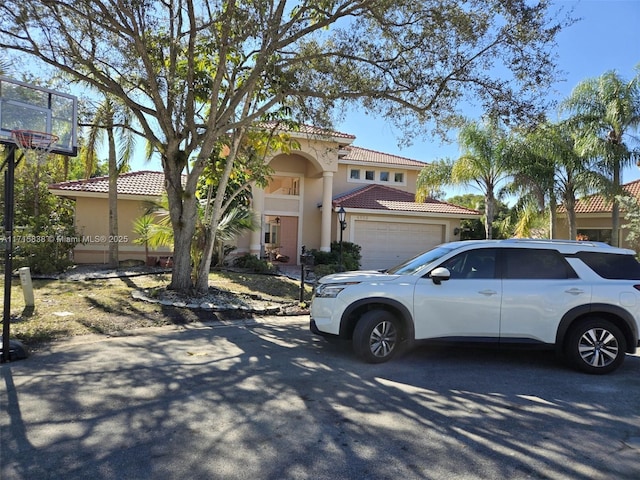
(607, 38)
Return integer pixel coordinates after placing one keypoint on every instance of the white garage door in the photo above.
(385, 244)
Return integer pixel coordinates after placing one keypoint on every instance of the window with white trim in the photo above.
(387, 177)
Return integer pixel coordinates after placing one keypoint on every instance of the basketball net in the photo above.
(38, 144)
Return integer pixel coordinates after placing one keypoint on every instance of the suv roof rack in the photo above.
(557, 241)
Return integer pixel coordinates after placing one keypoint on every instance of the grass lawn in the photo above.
(66, 308)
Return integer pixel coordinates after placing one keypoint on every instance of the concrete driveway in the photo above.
(263, 399)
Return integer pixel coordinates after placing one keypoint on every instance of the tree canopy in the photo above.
(606, 116)
(194, 72)
(548, 167)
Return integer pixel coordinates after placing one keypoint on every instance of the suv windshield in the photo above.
(416, 263)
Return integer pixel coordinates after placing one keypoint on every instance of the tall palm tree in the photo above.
(483, 164)
(606, 113)
(550, 169)
(432, 178)
(113, 120)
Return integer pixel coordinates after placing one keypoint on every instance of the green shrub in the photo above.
(329, 262)
(45, 250)
(321, 270)
(254, 264)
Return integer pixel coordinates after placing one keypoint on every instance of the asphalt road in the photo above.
(266, 400)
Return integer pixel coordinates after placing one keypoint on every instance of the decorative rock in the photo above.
(220, 302)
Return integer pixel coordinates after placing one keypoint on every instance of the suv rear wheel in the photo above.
(376, 337)
(596, 346)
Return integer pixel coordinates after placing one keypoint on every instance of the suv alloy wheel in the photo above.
(376, 336)
(596, 346)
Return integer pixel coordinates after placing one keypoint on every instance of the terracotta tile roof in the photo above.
(309, 130)
(597, 203)
(380, 197)
(363, 155)
(145, 183)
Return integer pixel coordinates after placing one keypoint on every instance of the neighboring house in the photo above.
(136, 192)
(376, 190)
(593, 218)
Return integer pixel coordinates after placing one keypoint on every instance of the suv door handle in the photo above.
(574, 291)
(487, 293)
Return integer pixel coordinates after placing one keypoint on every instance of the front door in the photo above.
(288, 244)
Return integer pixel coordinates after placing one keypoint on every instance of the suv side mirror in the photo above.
(439, 274)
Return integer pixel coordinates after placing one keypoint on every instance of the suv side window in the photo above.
(520, 263)
(612, 266)
(480, 263)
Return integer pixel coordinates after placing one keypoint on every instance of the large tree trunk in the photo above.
(553, 207)
(113, 201)
(183, 210)
(570, 206)
(489, 207)
(615, 208)
(571, 216)
(202, 281)
(615, 223)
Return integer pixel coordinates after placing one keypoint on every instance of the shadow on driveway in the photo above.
(267, 400)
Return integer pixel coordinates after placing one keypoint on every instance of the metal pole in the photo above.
(302, 283)
(341, 262)
(9, 176)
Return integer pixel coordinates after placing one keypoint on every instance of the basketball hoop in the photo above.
(40, 143)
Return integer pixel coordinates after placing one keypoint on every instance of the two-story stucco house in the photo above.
(299, 206)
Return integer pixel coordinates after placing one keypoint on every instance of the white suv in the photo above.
(583, 298)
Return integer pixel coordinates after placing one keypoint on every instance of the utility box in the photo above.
(27, 286)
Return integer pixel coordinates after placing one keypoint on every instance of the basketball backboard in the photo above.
(29, 107)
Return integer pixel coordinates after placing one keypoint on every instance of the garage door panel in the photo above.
(385, 244)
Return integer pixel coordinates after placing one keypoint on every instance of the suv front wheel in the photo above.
(596, 346)
(376, 337)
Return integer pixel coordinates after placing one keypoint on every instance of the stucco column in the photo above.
(327, 195)
(255, 246)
